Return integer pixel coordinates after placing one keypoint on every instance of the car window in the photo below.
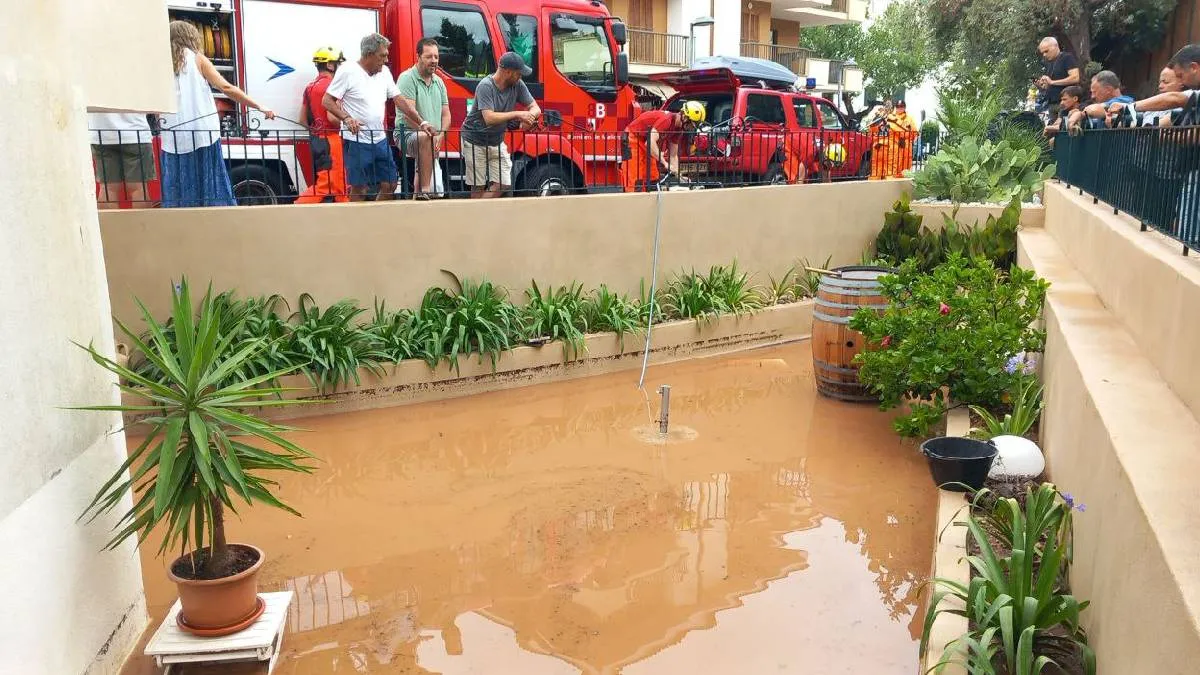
(829, 116)
(520, 36)
(718, 108)
(806, 117)
(765, 108)
(463, 40)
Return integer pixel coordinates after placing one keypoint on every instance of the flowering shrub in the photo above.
(952, 331)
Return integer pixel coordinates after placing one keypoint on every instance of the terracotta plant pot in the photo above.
(222, 606)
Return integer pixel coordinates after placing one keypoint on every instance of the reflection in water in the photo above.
(530, 532)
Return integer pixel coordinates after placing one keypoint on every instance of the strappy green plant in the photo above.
(1027, 406)
(557, 314)
(607, 310)
(202, 452)
(331, 344)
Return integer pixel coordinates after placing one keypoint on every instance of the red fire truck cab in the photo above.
(573, 46)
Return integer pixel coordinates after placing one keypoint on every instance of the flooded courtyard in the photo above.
(544, 530)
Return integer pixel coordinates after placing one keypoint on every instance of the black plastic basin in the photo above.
(958, 464)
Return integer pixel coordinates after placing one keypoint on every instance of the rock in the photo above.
(1016, 457)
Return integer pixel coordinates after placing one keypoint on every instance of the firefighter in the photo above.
(660, 132)
(326, 142)
(892, 152)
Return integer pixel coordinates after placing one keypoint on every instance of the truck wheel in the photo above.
(545, 180)
(864, 166)
(775, 175)
(254, 185)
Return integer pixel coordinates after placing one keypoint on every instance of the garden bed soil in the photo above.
(1018, 488)
(192, 566)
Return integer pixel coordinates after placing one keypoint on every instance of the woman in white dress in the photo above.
(193, 170)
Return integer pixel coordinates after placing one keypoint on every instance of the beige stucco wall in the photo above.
(1031, 216)
(787, 33)
(1142, 277)
(68, 607)
(395, 250)
(1122, 441)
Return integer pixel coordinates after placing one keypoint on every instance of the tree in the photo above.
(1002, 35)
(895, 54)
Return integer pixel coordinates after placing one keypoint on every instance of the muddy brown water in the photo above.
(536, 531)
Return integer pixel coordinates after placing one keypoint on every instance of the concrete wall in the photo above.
(1117, 432)
(786, 32)
(395, 250)
(1142, 277)
(69, 608)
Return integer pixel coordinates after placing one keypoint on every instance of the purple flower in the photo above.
(1081, 508)
(1070, 500)
(1014, 364)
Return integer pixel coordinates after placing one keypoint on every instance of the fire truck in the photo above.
(580, 75)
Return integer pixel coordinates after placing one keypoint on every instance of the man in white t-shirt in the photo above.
(123, 158)
(357, 96)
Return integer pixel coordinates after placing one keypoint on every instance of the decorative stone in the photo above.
(1015, 457)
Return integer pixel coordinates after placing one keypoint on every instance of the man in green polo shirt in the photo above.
(426, 92)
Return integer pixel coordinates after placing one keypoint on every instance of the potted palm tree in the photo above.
(203, 453)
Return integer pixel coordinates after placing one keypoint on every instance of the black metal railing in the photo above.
(1150, 173)
(255, 167)
(794, 59)
(658, 49)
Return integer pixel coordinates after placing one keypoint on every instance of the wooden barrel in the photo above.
(834, 344)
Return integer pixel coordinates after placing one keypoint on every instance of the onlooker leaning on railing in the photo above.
(193, 169)
(485, 156)
(357, 97)
(422, 89)
(124, 158)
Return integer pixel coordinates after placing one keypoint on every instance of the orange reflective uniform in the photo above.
(891, 154)
(797, 157)
(326, 147)
(634, 168)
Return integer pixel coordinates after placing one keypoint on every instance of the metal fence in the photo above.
(660, 49)
(175, 168)
(1150, 173)
(794, 59)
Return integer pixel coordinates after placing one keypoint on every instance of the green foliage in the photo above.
(952, 329)
(839, 42)
(606, 310)
(807, 280)
(475, 319)
(903, 237)
(991, 172)
(724, 290)
(1027, 406)
(330, 343)
(782, 290)
(557, 314)
(965, 116)
(931, 133)
(201, 451)
(1017, 604)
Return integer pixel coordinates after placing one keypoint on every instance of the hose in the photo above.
(653, 288)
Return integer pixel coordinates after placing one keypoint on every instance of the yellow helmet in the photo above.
(835, 154)
(693, 111)
(327, 55)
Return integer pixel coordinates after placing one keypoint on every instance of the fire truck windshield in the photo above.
(583, 55)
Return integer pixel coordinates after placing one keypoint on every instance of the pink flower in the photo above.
(887, 340)
(944, 309)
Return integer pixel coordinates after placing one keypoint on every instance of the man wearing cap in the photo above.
(488, 164)
(892, 153)
(326, 142)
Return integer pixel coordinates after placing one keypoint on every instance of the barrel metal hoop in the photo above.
(850, 283)
(848, 305)
(851, 291)
(837, 369)
(847, 397)
(831, 319)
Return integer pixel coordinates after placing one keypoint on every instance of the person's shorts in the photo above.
(410, 142)
(369, 163)
(124, 163)
(487, 164)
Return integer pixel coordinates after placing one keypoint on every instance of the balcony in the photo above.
(657, 49)
(819, 12)
(794, 59)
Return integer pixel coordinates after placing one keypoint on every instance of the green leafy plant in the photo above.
(931, 133)
(475, 318)
(733, 289)
(782, 290)
(557, 314)
(650, 305)
(903, 237)
(201, 454)
(606, 310)
(331, 344)
(807, 281)
(953, 331)
(686, 297)
(993, 172)
(1017, 602)
(1027, 405)
(966, 116)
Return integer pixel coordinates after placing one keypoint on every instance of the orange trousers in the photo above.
(633, 170)
(793, 162)
(889, 159)
(330, 182)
